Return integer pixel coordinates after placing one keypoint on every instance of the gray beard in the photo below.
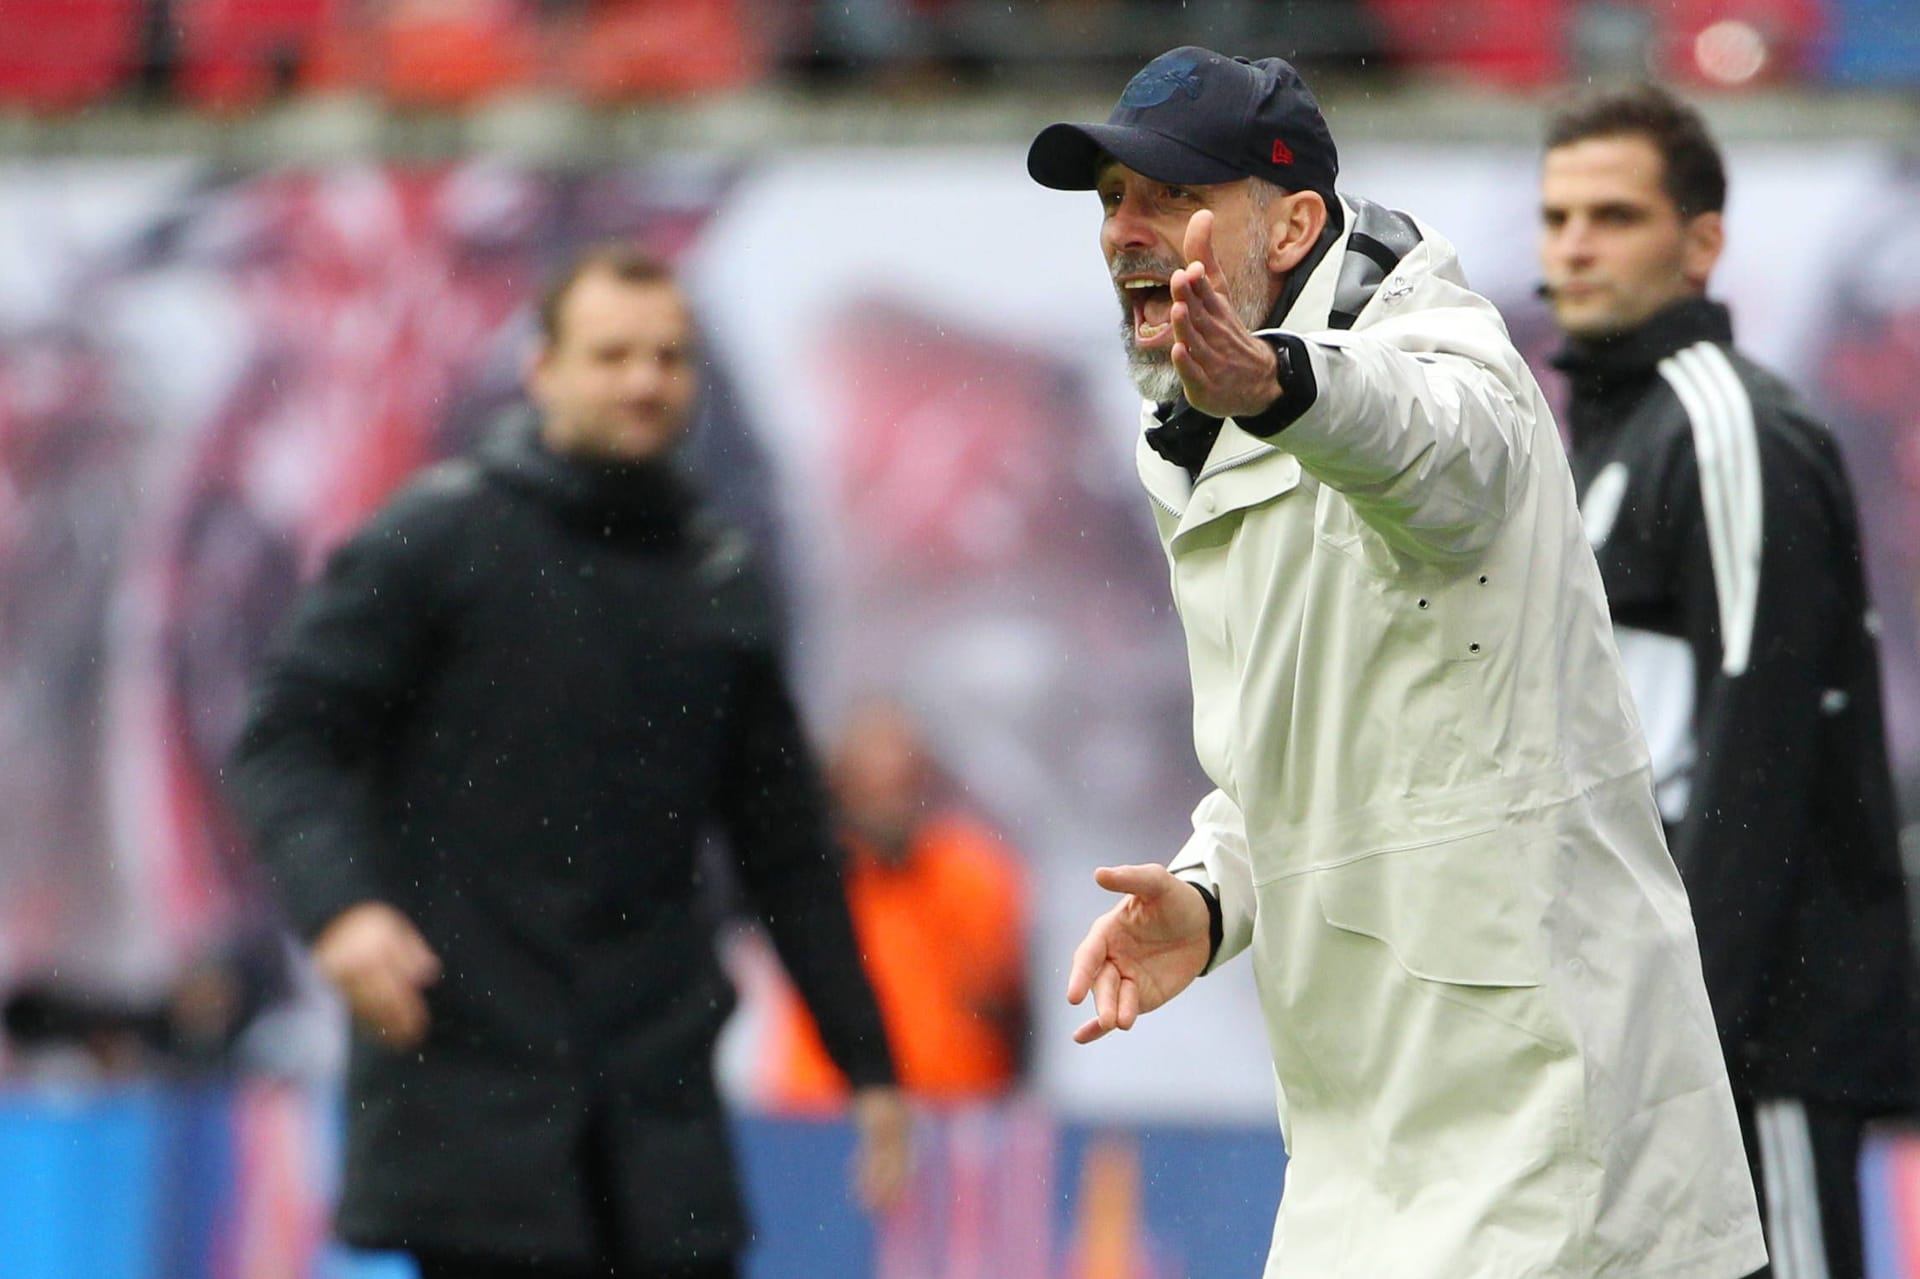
(1152, 371)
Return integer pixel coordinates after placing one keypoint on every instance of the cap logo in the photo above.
(1159, 80)
(1282, 153)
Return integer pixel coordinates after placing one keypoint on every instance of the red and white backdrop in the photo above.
(207, 379)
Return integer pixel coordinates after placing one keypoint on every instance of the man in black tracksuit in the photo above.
(1727, 537)
(477, 769)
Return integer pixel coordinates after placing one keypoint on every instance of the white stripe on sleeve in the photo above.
(1728, 448)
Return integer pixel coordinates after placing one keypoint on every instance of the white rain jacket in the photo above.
(1434, 826)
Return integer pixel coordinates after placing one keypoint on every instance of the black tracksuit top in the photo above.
(1729, 544)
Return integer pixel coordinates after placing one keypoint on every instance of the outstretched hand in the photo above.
(1141, 953)
(1224, 369)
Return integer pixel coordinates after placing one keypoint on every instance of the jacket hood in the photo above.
(650, 501)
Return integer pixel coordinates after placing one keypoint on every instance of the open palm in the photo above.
(1141, 953)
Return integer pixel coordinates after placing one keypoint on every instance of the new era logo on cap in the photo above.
(1193, 116)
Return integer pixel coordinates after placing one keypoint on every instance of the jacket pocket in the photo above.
(1464, 910)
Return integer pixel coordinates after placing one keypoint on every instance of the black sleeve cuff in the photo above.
(1216, 925)
(1298, 389)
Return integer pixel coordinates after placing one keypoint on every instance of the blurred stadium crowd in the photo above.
(233, 55)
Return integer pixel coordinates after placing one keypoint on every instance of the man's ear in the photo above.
(1295, 221)
(1702, 239)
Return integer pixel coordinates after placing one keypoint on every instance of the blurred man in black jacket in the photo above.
(478, 767)
(1727, 536)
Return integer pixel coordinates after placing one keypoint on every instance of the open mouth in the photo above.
(1150, 302)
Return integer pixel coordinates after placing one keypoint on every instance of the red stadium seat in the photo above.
(663, 49)
(1499, 43)
(61, 55)
(238, 53)
(452, 53)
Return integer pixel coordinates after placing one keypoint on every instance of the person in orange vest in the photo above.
(939, 909)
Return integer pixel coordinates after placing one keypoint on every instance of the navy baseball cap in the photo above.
(1193, 116)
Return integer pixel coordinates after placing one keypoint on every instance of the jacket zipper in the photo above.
(1251, 455)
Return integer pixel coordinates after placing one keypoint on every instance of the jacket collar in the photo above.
(648, 501)
(1636, 354)
(1606, 375)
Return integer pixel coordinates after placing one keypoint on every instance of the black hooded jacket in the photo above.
(1729, 543)
(509, 707)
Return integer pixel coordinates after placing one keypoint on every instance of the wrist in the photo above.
(1295, 387)
(1273, 388)
(1216, 921)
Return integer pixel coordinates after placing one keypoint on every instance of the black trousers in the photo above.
(1805, 1157)
(606, 1242)
(450, 1266)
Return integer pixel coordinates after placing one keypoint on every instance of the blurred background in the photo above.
(262, 259)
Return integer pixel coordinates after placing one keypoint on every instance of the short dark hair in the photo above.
(1691, 170)
(623, 262)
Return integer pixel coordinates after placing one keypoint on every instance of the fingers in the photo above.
(1224, 369)
(1116, 1004)
(1088, 957)
(406, 1024)
(385, 990)
(1106, 997)
(1202, 314)
(390, 1007)
(1127, 1006)
(1092, 952)
(416, 959)
(1199, 283)
(1092, 968)
(1116, 1000)
(1089, 1032)
(1197, 245)
(1207, 332)
(1096, 1026)
(1192, 373)
(1148, 881)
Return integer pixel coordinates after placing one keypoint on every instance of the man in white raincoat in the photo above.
(1433, 824)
